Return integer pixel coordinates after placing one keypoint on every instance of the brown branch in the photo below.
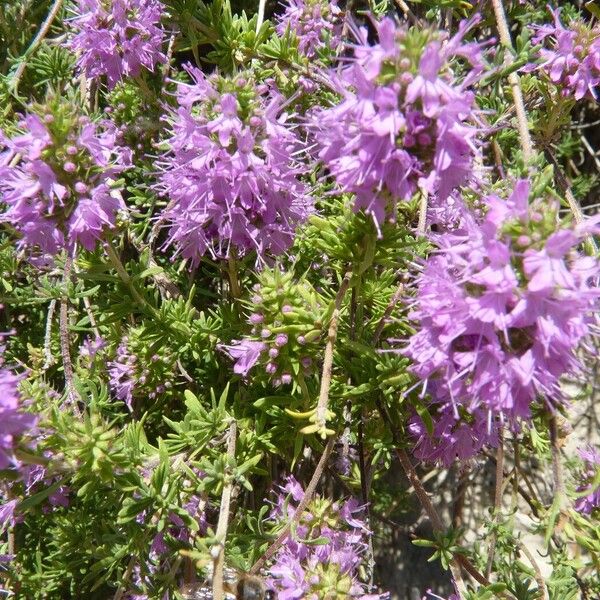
(323, 402)
(65, 351)
(497, 500)
(514, 81)
(218, 551)
(37, 40)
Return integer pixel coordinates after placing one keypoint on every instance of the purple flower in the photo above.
(118, 38)
(591, 500)
(232, 180)
(498, 323)
(245, 353)
(303, 569)
(13, 422)
(49, 205)
(91, 347)
(573, 58)
(404, 121)
(317, 25)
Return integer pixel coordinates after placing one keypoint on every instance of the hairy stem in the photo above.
(323, 402)
(121, 590)
(37, 40)
(497, 500)
(514, 81)
(64, 339)
(218, 551)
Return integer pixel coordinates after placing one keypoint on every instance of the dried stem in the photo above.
(514, 81)
(234, 285)
(308, 494)
(37, 40)
(571, 200)
(497, 500)
(218, 551)
(387, 313)
(539, 578)
(261, 14)
(422, 224)
(323, 402)
(48, 358)
(64, 339)
(121, 590)
(557, 476)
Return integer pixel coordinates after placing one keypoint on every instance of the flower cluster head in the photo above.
(330, 568)
(405, 120)
(286, 325)
(55, 179)
(591, 500)
(230, 175)
(116, 38)
(501, 308)
(572, 56)
(317, 24)
(13, 421)
(138, 372)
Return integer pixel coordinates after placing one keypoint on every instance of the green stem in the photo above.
(126, 279)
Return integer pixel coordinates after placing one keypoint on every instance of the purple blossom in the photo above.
(591, 500)
(48, 205)
(302, 569)
(118, 38)
(13, 422)
(317, 25)
(403, 123)
(245, 353)
(122, 374)
(572, 59)
(91, 347)
(231, 178)
(498, 324)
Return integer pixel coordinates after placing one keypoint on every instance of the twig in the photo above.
(48, 358)
(310, 490)
(408, 14)
(37, 40)
(64, 339)
(322, 404)
(387, 313)
(218, 551)
(261, 15)
(539, 578)
(121, 590)
(513, 79)
(497, 501)
(422, 224)
(126, 279)
(557, 476)
(234, 285)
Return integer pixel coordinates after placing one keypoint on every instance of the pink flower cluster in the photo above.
(501, 309)
(304, 569)
(572, 59)
(231, 174)
(590, 501)
(117, 38)
(404, 121)
(55, 181)
(316, 24)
